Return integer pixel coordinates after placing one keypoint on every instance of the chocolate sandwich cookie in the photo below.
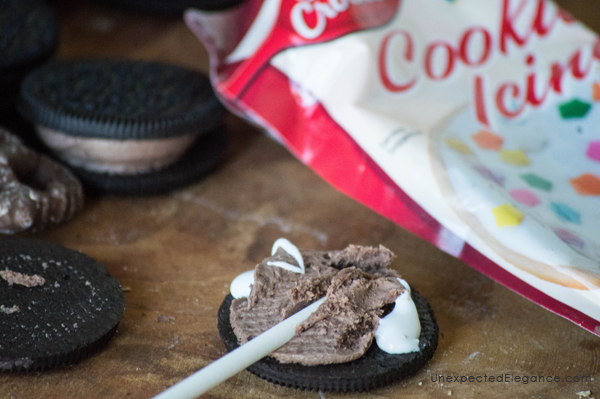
(57, 306)
(173, 8)
(371, 329)
(125, 120)
(28, 35)
(373, 370)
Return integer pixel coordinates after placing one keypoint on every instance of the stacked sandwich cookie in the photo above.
(126, 127)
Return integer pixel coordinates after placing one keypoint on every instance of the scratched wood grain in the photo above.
(176, 255)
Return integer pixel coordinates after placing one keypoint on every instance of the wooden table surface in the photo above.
(177, 254)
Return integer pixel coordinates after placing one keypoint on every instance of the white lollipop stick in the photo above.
(238, 359)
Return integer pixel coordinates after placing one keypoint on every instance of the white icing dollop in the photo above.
(241, 285)
(290, 249)
(399, 331)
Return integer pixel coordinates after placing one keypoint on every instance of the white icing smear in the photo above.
(399, 331)
(241, 285)
(290, 249)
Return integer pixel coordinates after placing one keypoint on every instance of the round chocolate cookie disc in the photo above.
(57, 305)
(35, 191)
(28, 33)
(373, 370)
(173, 8)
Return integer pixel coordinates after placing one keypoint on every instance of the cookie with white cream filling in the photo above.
(335, 343)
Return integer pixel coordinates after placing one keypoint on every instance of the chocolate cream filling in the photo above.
(357, 286)
(116, 156)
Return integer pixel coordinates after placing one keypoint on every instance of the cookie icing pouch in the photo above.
(470, 123)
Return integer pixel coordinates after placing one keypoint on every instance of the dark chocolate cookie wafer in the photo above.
(57, 305)
(373, 370)
(120, 100)
(28, 32)
(125, 121)
(173, 8)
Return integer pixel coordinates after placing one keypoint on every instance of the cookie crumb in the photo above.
(126, 289)
(449, 393)
(584, 394)
(21, 279)
(175, 342)
(11, 310)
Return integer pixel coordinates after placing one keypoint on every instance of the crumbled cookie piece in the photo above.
(35, 191)
(343, 327)
(21, 279)
(11, 310)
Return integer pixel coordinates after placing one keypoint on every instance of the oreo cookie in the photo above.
(57, 306)
(174, 8)
(125, 121)
(371, 371)
(28, 36)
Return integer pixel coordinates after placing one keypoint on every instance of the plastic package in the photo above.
(471, 123)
